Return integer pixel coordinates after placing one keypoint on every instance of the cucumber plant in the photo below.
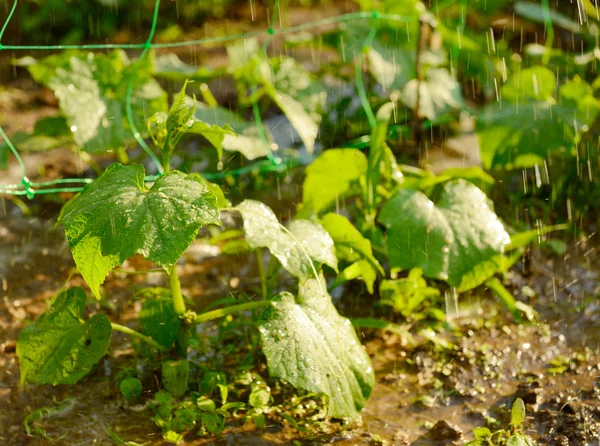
(123, 213)
(441, 227)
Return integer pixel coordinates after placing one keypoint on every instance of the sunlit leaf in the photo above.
(459, 239)
(352, 248)
(330, 177)
(299, 248)
(308, 344)
(116, 217)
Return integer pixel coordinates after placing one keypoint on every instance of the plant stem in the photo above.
(185, 332)
(216, 314)
(166, 161)
(122, 156)
(261, 271)
(136, 334)
(178, 303)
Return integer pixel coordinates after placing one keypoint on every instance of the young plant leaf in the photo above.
(517, 413)
(60, 348)
(116, 217)
(459, 240)
(329, 178)
(298, 249)
(167, 129)
(351, 247)
(405, 295)
(308, 344)
(175, 376)
(131, 388)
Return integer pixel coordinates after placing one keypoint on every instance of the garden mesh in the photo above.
(31, 189)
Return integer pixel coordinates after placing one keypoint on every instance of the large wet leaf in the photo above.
(301, 249)
(61, 348)
(330, 177)
(308, 344)
(459, 239)
(91, 89)
(117, 216)
(352, 248)
(527, 131)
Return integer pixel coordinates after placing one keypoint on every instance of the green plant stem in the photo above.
(138, 335)
(166, 162)
(261, 271)
(175, 285)
(185, 332)
(122, 156)
(221, 312)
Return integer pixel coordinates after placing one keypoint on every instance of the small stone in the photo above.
(443, 431)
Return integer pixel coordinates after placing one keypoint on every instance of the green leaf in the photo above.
(459, 240)
(260, 396)
(309, 345)
(330, 177)
(213, 422)
(158, 318)
(351, 247)
(170, 66)
(91, 89)
(531, 83)
(245, 140)
(289, 85)
(525, 133)
(405, 295)
(439, 93)
(131, 388)
(116, 217)
(167, 129)
(482, 433)
(175, 376)
(517, 413)
(180, 112)
(298, 248)
(60, 348)
(475, 175)
(298, 95)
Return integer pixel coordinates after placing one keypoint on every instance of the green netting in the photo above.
(272, 163)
